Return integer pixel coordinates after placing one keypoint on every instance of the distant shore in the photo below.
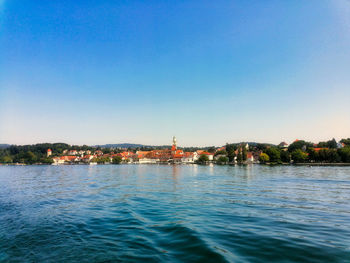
(322, 164)
(240, 164)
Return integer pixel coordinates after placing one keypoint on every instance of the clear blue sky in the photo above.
(209, 72)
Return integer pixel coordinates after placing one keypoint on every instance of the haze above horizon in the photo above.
(209, 72)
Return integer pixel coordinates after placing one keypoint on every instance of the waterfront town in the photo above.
(242, 153)
(173, 155)
(298, 151)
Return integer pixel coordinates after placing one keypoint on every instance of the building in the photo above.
(87, 158)
(65, 159)
(148, 160)
(98, 153)
(250, 157)
(72, 152)
(340, 145)
(189, 157)
(201, 152)
(223, 148)
(283, 145)
(57, 160)
(126, 156)
(49, 152)
(176, 155)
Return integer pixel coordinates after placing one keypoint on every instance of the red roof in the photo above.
(177, 153)
(221, 148)
(49, 150)
(188, 154)
(206, 153)
(68, 158)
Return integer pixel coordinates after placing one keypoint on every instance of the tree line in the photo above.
(30, 154)
(298, 152)
(303, 152)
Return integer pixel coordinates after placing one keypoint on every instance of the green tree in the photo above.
(46, 160)
(344, 154)
(222, 160)
(333, 156)
(345, 141)
(332, 144)
(329, 156)
(322, 144)
(298, 156)
(274, 154)
(244, 154)
(299, 145)
(239, 157)
(116, 160)
(211, 149)
(285, 156)
(203, 159)
(230, 149)
(6, 159)
(262, 146)
(264, 158)
(313, 155)
(101, 160)
(106, 150)
(29, 158)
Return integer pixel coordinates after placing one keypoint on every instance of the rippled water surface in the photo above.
(169, 213)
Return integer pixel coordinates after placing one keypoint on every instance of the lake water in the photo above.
(183, 213)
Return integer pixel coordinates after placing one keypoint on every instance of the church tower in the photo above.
(174, 147)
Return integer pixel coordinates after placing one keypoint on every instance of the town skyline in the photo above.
(299, 151)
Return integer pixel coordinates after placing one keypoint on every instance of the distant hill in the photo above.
(252, 143)
(3, 146)
(132, 145)
(121, 145)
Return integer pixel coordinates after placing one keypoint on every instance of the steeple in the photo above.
(174, 148)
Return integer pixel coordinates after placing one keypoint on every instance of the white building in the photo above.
(58, 160)
(72, 152)
(189, 157)
(201, 152)
(148, 160)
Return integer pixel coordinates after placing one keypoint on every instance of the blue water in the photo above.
(163, 213)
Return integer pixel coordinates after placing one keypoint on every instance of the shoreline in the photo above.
(241, 164)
